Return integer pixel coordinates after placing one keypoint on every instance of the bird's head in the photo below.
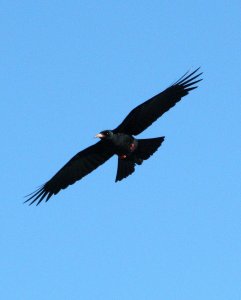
(106, 134)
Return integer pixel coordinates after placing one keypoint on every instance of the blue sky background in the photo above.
(69, 69)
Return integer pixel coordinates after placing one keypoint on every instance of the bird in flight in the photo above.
(120, 141)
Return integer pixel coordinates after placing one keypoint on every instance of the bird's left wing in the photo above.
(146, 113)
(76, 168)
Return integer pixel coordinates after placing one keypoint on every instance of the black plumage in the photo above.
(120, 141)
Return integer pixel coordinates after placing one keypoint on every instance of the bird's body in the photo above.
(123, 143)
(120, 141)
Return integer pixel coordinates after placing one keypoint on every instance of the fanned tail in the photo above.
(125, 168)
(146, 147)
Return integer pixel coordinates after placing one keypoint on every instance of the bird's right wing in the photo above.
(146, 113)
(79, 166)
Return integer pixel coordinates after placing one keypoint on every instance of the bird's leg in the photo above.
(132, 147)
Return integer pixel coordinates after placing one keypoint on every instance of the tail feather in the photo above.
(146, 147)
(125, 168)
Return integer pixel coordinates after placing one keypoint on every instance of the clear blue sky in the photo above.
(69, 69)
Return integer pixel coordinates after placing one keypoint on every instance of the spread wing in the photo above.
(146, 113)
(79, 166)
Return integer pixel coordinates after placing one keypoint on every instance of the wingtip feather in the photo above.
(38, 195)
(188, 77)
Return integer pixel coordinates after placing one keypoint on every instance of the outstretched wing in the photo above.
(146, 113)
(79, 166)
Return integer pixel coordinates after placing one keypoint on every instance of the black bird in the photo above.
(120, 141)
